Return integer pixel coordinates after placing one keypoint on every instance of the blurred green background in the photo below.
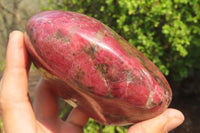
(166, 31)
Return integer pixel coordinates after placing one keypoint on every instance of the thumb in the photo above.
(14, 82)
(15, 107)
(163, 123)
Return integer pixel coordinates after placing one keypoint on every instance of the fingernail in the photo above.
(174, 121)
(12, 33)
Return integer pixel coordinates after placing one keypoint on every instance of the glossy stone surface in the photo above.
(95, 69)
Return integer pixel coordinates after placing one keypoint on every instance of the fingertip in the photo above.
(16, 56)
(14, 37)
(165, 122)
(175, 113)
(13, 33)
(175, 118)
(77, 118)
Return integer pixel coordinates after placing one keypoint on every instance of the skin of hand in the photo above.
(18, 114)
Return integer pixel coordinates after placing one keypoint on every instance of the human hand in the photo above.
(15, 107)
(17, 112)
(163, 123)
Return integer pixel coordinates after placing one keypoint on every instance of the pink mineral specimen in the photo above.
(95, 69)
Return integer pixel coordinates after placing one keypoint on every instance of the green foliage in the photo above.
(2, 65)
(65, 111)
(94, 127)
(166, 31)
(1, 125)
